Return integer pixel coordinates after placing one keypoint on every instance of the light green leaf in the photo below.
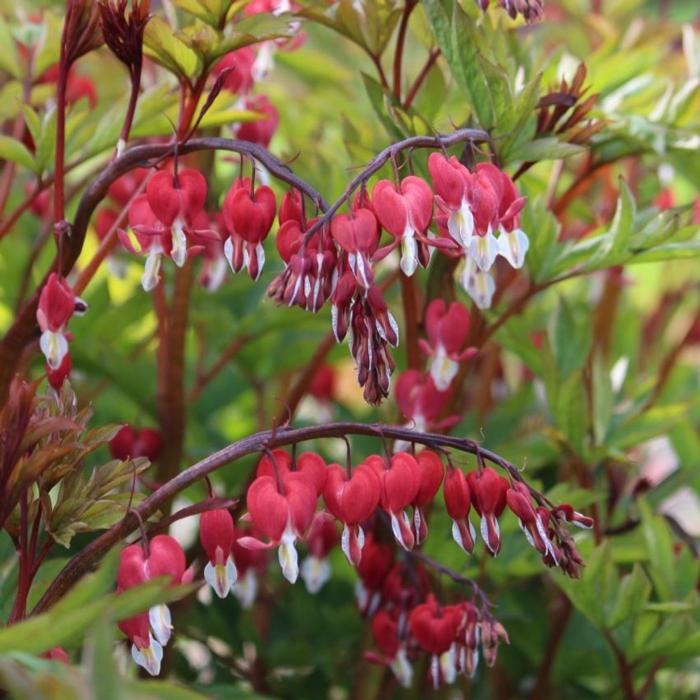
(16, 152)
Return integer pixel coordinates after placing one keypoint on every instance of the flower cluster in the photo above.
(380, 499)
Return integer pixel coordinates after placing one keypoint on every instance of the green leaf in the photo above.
(632, 596)
(612, 246)
(168, 49)
(571, 335)
(547, 148)
(602, 398)
(252, 30)
(9, 60)
(160, 690)
(16, 152)
(660, 548)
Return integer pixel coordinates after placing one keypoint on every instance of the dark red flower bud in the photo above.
(488, 492)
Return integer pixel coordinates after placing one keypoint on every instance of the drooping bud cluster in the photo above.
(57, 305)
(531, 10)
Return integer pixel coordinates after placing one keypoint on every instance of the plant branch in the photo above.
(389, 153)
(400, 43)
(420, 78)
(88, 557)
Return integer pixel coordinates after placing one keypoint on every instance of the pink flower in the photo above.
(248, 217)
(57, 304)
(259, 131)
(352, 499)
(237, 66)
(176, 200)
(458, 504)
(165, 558)
(322, 537)
(132, 442)
(217, 535)
(282, 508)
(448, 329)
(421, 401)
(488, 491)
(431, 472)
(405, 212)
(356, 233)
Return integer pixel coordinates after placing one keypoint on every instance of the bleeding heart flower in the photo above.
(448, 329)
(405, 212)
(488, 492)
(356, 234)
(322, 537)
(374, 566)
(145, 650)
(400, 480)
(238, 66)
(165, 558)
(217, 535)
(311, 465)
(292, 208)
(431, 473)
(420, 400)
(248, 217)
(451, 183)
(352, 499)
(56, 377)
(458, 503)
(132, 442)
(385, 631)
(566, 512)
(259, 131)
(57, 304)
(282, 508)
(176, 200)
(435, 629)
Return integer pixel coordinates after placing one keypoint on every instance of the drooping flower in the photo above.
(385, 631)
(421, 401)
(281, 508)
(310, 272)
(322, 537)
(356, 234)
(431, 472)
(448, 329)
(488, 492)
(132, 442)
(352, 499)
(458, 503)
(451, 183)
(248, 217)
(176, 200)
(372, 570)
(57, 304)
(217, 535)
(405, 212)
(400, 480)
(237, 66)
(259, 131)
(150, 631)
(435, 628)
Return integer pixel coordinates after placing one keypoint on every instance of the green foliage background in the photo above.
(638, 593)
